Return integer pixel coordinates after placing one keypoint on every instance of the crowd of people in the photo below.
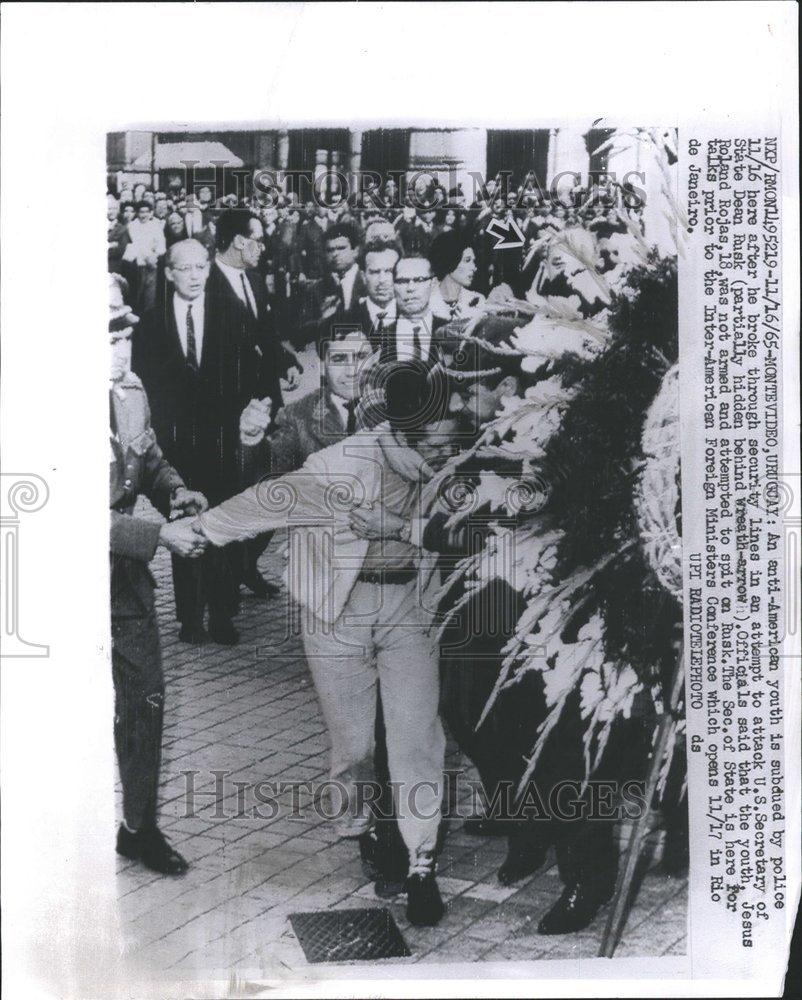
(143, 224)
(211, 301)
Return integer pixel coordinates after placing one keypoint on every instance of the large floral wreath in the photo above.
(599, 563)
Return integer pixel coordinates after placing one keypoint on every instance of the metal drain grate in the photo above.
(349, 935)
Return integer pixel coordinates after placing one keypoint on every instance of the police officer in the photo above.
(137, 466)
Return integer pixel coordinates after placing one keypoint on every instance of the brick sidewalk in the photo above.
(251, 711)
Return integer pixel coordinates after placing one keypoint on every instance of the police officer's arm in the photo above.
(133, 536)
(159, 480)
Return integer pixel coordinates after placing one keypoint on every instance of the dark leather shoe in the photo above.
(424, 902)
(223, 633)
(368, 855)
(479, 826)
(388, 887)
(194, 634)
(520, 863)
(383, 865)
(151, 848)
(258, 586)
(575, 909)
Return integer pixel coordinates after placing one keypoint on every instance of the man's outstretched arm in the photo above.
(305, 497)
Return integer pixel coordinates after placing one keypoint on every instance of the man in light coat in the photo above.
(366, 591)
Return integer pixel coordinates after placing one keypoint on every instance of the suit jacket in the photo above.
(440, 344)
(372, 409)
(358, 318)
(136, 466)
(255, 337)
(313, 328)
(301, 429)
(197, 417)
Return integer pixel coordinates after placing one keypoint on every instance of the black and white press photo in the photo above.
(436, 631)
(394, 426)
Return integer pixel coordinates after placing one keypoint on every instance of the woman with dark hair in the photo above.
(454, 264)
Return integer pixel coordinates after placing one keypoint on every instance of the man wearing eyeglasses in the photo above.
(178, 353)
(203, 355)
(417, 329)
(417, 336)
(256, 362)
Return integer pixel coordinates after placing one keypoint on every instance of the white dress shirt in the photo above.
(180, 307)
(234, 276)
(374, 310)
(405, 338)
(347, 283)
(341, 406)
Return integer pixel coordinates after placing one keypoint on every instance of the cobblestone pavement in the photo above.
(250, 711)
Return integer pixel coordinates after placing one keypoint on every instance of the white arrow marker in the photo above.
(499, 229)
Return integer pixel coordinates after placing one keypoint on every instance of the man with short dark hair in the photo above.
(374, 314)
(330, 299)
(355, 635)
(417, 329)
(346, 281)
(238, 309)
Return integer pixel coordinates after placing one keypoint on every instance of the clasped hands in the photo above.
(182, 534)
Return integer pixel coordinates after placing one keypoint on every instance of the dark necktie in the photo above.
(350, 423)
(379, 331)
(247, 293)
(416, 345)
(340, 291)
(192, 349)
